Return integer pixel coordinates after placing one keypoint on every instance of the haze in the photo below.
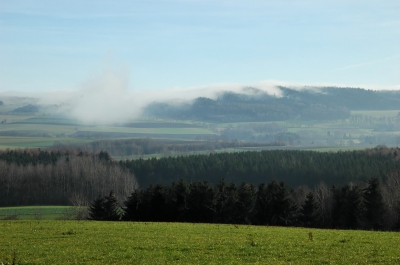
(97, 56)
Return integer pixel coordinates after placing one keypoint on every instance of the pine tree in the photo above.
(261, 216)
(348, 206)
(112, 210)
(201, 202)
(96, 209)
(274, 205)
(227, 207)
(308, 211)
(157, 203)
(131, 212)
(246, 203)
(374, 205)
(180, 191)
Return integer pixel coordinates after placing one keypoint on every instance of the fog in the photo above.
(108, 98)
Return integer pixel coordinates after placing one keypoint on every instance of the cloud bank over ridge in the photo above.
(107, 98)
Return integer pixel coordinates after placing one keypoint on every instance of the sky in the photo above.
(181, 44)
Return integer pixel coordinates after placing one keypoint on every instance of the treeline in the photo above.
(147, 146)
(31, 156)
(244, 108)
(36, 177)
(294, 167)
(351, 206)
(313, 103)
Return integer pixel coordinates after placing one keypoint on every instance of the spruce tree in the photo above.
(348, 206)
(111, 208)
(374, 205)
(308, 211)
(201, 202)
(96, 209)
(180, 191)
(246, 203)
(131, 207)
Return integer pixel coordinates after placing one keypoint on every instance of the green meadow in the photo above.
(37, 212)
(90, 242)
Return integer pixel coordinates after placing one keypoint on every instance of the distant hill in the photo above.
(27, 109)
(323, 103)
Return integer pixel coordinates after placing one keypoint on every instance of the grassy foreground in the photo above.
(89, 242)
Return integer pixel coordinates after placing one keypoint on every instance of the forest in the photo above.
(295, 168)
(351, 206)
(349, 190)
(148, 146)
(37, 177)
(323, 103)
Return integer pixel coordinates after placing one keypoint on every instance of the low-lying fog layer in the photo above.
(108, 99)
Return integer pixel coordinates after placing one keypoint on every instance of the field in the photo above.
(37, 212)
(90, 242)
(44, 129)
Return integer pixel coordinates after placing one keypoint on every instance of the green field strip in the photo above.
(14, 118)
(36, 212)
(33, 142)
(376, 113)
(38, 128)
(110, 129)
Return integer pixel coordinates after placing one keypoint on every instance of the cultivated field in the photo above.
(90, 242)
(43, 129)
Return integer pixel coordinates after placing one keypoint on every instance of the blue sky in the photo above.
(52, 45)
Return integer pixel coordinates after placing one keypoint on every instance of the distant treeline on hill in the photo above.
(293, 167)
(323, 103)
(147, 146)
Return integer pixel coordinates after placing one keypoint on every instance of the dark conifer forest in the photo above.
(295, 168)
(350, 190)
(367, 205)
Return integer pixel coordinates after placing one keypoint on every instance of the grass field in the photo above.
(89, 242)
(376, 113)
(13, 142)
(37, 212)
(43, 130)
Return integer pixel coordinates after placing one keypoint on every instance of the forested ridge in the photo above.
(147, 146)
(293, 167)
(310, 103)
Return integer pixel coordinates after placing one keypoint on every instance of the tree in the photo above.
(111, 208)
(201, 202)
(105, 209)
(348, 206)
(308, 211)
(131, 212)
(246, 203)
(324, 203)
(228, 207)
(274, 205)
(391, 197)
(158, 203)
(96, 209)
(374, 205)
(179, 192)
